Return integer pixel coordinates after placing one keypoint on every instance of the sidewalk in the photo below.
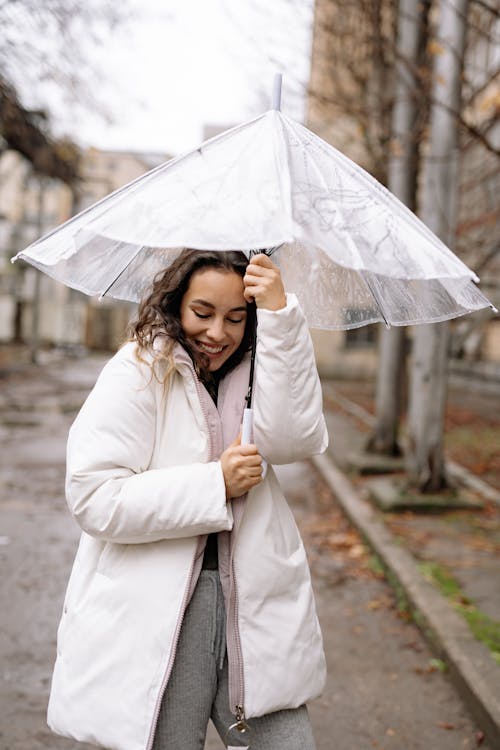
(446, 564)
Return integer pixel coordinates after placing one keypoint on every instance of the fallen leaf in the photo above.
(356, 551)
(343, 539)
(446, 725)
(379, 603)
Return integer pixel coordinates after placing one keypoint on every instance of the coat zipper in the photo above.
(188, 588)
(236, 677)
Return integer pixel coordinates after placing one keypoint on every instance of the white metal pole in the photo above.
(276, 100)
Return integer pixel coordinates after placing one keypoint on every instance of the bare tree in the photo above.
(425, 462)
(345, 67)
(50, 43)
(352, 73)
(25, 131)
(409, 101)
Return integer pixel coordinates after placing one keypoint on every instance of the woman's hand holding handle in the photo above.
(263, 283)
(242, 468)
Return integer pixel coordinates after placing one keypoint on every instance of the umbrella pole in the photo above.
(248, 397)
(247, 424)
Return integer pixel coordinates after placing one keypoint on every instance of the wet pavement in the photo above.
(385, 690)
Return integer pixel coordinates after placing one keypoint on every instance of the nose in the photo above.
(216, 330)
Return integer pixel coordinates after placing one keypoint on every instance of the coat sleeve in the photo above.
(110, 490)
(288, 410)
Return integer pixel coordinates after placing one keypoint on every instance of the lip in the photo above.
(211, 350)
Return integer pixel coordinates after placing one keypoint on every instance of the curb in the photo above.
(472, 670)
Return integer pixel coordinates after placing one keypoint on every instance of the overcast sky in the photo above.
(183, 64)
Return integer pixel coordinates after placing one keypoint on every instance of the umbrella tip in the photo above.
(276, 100)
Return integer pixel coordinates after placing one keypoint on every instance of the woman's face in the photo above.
(213, 314)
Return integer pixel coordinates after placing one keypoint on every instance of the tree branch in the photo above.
(487, 6)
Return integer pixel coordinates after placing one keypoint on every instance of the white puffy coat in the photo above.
(145, 485)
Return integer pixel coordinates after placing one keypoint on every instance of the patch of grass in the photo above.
(403, 605)
(484, 628)
(438, 575)
(438, 664)
(375, 565)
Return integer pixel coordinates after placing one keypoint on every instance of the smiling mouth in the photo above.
(209, 349)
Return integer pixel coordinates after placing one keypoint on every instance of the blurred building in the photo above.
(349, 100)
(30, 206)
(102, 172)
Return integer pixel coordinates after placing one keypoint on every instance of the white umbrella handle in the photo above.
(247, 434)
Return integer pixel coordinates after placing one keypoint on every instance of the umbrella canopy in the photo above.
(350, 250)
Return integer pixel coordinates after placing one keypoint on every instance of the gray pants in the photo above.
(198, 687)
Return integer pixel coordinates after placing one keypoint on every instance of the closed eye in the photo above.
(199, 315)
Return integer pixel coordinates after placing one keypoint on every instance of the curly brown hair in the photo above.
(159, 312)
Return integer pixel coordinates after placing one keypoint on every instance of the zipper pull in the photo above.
(241, 726)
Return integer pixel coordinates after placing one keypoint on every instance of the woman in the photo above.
(190, 595)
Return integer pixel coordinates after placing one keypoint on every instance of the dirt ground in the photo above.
(384, 689)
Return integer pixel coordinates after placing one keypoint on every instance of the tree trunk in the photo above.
(428, 382)
(402, 181)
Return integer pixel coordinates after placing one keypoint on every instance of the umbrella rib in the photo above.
(134, 256)
(323, 181)
(376, 297)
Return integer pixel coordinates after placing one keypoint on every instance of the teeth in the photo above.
(210, 349)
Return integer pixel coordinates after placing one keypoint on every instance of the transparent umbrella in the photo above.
(351, 252)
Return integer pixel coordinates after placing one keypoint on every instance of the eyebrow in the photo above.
(209, 304)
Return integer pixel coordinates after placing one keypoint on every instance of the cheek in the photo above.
(190, 324)
(238, 337)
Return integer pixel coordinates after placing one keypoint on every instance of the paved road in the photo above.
(384, 691)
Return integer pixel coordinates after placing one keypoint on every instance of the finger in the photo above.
(236, 441)
(257, 275)
(259, 271)
(261, 259)
(256, 471)
(251, 463)
(258, 282)
(248, 451)
(253, 481)
(255, 290)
